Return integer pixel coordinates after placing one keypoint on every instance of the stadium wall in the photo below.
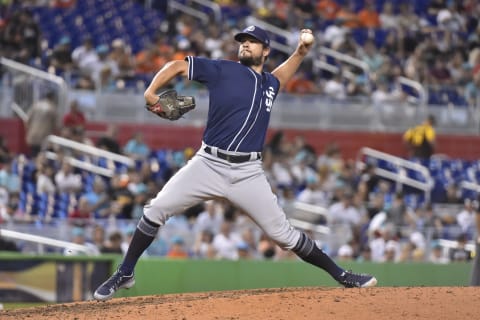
(155, 276)
(54, 278)
(176, 137)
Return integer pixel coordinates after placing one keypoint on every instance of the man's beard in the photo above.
(251, 61)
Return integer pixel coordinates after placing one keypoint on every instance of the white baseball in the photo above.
(306, 37)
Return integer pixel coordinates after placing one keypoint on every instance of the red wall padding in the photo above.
(158, 136)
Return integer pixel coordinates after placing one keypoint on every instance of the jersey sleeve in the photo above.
(202, 70)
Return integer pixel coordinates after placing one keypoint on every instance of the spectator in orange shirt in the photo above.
(165, 49)
(177, 250)
(300, 84)
(368, 16)
(327, 9)
(63, 3)
(281, 9)
(347, 16)
(75, 117)
(149, 60)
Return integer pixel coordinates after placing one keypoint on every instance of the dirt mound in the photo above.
(291, 303)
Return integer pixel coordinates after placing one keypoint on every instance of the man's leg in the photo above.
(266, 212)
(308, 251)
(193, 183)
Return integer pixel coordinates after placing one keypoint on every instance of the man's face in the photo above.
(251, 52)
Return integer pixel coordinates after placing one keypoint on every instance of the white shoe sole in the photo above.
(371, 283)
(100, 297)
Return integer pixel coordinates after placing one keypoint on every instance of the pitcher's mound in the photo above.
(276, 304)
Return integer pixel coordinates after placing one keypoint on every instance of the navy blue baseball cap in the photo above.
(256, 32)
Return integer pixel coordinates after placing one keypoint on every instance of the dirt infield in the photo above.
(292, 303)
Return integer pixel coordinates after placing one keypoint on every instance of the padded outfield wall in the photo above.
(170, 276)
(178, 137)
(53, 278)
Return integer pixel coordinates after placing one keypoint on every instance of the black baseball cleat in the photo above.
(349, 279)
(117, 281)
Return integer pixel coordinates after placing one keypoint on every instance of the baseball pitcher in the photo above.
(228, 165)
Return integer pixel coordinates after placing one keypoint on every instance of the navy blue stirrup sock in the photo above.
(308, 251)
(142, 238)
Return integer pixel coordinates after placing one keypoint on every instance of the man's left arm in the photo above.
(287, 69)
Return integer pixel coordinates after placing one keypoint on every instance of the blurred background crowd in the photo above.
(119, 45)
(115, 46)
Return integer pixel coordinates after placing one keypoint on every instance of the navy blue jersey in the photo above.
(240, 103)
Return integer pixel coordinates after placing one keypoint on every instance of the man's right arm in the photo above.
(167, 73)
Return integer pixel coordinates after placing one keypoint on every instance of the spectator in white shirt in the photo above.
(344, 211)
(85, 56)
(334, 88)
(313, 194)
(67, 180)
(226, 242)
(385, 99)
(45, 182)
(104, 70)
(335, 35)
(377, 246)
(466, 218)
(281, 172)
(209, 219)
(388, 19)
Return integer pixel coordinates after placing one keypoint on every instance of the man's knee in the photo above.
(286, 239)
(155, 214)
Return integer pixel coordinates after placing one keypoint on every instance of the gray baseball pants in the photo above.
(244, 184)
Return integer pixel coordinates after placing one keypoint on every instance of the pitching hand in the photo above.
(305, 42)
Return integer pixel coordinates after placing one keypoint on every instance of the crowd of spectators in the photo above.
(368, 218)
(433, 42)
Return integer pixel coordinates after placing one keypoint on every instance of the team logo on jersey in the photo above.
(270, 93)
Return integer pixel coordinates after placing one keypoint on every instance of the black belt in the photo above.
(232, 158)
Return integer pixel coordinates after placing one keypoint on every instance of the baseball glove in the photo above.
(170, 106)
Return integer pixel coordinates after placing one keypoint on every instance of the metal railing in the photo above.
(45, 241)
(417, 86)
(83, 165)
(86, 149)
(215, 7)
(318, 63)
(451, 244)
(304, 216)
(28, 84)
(175, 5)
(285, 48)
(470, 186)
(19, 111)
(400, 177)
